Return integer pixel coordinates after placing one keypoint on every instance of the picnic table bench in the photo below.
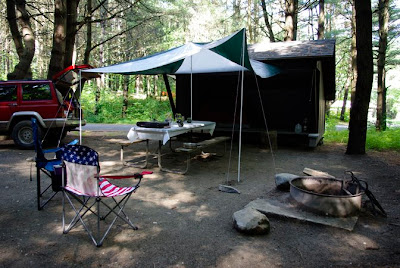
(124, 143)
(195, 147)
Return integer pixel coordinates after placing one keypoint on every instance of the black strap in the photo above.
(369, 194)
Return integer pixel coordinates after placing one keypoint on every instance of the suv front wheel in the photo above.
(22, 134)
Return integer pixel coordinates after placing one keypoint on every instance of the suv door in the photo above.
(40, 98)
(8, 103)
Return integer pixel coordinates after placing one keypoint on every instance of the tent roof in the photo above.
(224, 55)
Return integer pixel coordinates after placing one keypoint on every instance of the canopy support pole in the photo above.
(191, 87)
(241, 109)
(80, 107)
(171, 99)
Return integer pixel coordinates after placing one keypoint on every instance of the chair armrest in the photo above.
(135, 176)
(119, 177)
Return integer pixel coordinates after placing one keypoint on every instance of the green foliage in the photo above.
(384, 140)
(376, 140)
(110, 108)
(332, 135)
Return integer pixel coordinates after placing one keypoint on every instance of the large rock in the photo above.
(250, 221)
(282, 181)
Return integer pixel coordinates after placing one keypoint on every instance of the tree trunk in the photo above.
(383, 36)
(359, 110)
(267, 24)
(88, 32)
(125, 90)
(72, 16)
(58, 51)
(321, 20)
(97, 97)
(102, 58)
(249, 21)
(155, 86)
(291, 7)
(139, 84)
(345, 97)
(353, 52)
(25, 43)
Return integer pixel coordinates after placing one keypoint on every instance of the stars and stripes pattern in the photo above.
(83, 155)
(108, 189)
(80, 154)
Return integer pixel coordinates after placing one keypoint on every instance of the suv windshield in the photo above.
(8, 93)
(32, 92)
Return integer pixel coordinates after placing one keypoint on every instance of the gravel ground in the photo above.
(184, 221)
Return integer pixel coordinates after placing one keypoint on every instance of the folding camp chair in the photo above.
(47, 167)
(90, 190)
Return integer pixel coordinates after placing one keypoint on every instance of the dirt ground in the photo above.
(184, 221)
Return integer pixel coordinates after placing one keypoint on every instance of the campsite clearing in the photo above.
(185, 221)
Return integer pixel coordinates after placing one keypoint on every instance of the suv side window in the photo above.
(8, 93)
(32, 92)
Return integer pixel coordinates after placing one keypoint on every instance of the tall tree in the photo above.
(321, 20)
(72, 24)
(59, 37)
(267, 23)
(359, 109)
(291, 9)
(88, 20)
(24, 39)
(353, 52)
(383, 11)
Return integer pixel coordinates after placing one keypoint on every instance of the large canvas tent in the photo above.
(226, 55)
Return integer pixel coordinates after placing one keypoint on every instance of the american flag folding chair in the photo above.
(92, 191)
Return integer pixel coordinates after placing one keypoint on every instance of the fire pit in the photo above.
(327, 196)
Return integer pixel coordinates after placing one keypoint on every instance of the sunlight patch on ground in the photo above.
(247, 256)
(170, 200)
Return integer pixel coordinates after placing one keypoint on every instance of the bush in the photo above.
(376, 140)
(110, 108)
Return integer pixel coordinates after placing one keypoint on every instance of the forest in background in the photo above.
(111, 31)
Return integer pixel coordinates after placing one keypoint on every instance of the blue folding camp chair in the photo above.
(48, 167)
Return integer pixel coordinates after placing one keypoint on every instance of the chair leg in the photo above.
(81, 212)
(117, 215)
(39, 192)
(79, 217)
(121, 205)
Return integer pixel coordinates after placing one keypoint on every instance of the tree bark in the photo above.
(321, 20)
(353, 52)
(383, 36)
(359, 110)
(291, 8)
(345, 97)
(60, 26)
(88, 48)
(267, 24)
(25, 42)
(125, 89)
(72, 23)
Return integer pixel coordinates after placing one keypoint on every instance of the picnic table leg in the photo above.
(169, 170)
(145, 160)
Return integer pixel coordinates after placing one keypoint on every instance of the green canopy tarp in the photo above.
(228, 54)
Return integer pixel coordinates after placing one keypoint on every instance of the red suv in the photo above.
(22, 100)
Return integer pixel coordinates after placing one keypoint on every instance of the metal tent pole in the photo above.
(191, 87)
(241, 108)
(80, 107)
